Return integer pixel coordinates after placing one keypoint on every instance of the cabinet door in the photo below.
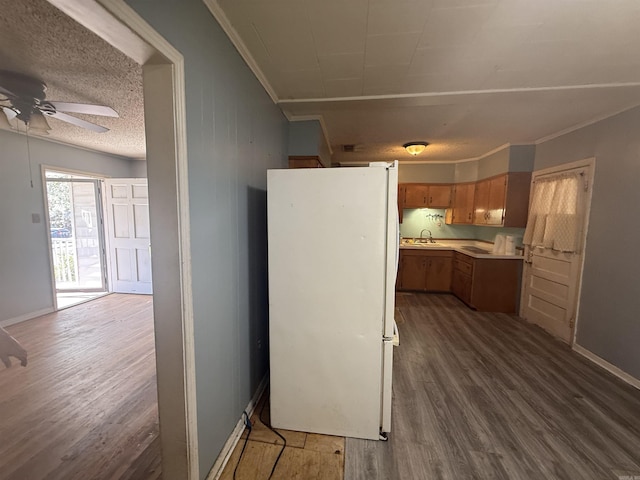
(401, 189)
(438, 278)
(416, 196)
(497, 193)
(461, 286)
(413, 272)
(481, 202)
(439, 196)
(463, 203)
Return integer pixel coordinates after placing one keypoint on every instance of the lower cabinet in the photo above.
(486, 284)
(427, 271)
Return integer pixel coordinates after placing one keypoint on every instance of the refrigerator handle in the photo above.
(397, 241)
(396, 334)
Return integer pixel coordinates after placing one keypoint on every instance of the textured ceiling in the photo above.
(468, 76)
(38, 40)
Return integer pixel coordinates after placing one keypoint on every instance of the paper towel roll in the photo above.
(498, 244)
(509, 245)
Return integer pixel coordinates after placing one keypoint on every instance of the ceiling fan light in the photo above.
(415, 148)
(38, 124)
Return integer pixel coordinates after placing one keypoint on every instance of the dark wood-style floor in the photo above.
(85, 406)
(487, 396)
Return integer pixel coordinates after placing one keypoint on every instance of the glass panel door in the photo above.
(75, 221)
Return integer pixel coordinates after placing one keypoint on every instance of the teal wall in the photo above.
(607, 323)
(304, 137)
(25, 279)
(307, 138)
(416, 219)
(234, 134)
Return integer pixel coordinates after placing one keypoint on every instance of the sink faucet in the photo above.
(431, 240)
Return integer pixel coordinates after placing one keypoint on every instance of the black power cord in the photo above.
(284, 440)
(249, 426)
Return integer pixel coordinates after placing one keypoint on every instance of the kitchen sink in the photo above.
(424, 245)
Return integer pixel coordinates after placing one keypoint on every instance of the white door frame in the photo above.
(590, 165)
(43, 174)
(165, 128)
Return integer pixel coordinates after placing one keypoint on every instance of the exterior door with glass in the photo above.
(554, 244)
(76, 233)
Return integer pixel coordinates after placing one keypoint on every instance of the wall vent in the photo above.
(348, 148)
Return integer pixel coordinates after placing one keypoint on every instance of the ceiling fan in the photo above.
(23, 97)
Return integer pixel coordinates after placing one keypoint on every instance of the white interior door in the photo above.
(128, 235)
(551, 278)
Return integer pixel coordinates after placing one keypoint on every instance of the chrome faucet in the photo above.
(431, 240)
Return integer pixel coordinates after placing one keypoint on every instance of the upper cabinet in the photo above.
(400, 201)
(502, 200)
(424, 195)
(309, 161)
(462, 204)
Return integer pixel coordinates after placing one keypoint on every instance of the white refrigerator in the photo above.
(333, 254)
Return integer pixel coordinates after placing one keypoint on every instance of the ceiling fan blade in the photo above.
(9, 113)
(85, 108)
(7, 93)
(76, 121)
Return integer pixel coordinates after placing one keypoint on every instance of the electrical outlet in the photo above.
(35, 218)
(259, 344)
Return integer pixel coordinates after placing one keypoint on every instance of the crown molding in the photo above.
(242, 49)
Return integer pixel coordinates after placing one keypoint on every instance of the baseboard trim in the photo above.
(25, 317)
(232, 441)
(621, 374)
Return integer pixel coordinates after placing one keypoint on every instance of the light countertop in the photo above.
(467, 247)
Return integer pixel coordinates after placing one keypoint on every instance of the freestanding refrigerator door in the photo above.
(387, 373)
(327, 276)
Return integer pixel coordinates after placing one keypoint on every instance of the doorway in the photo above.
(165, 130)
(554, 243)
(76, 237)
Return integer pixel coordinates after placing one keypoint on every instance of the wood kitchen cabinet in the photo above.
(310, 161)
(425, 195)
(486, 284)
(426, 271)
(462, 203)
(401, 189)
(502, 200)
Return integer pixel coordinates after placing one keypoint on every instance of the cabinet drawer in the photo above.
(462, 266)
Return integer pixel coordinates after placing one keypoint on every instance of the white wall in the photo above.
(25, 278)
(234, 134)
(608, 323)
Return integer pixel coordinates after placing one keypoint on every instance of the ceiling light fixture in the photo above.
(414, 148)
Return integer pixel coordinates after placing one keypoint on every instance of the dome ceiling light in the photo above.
(415, 148)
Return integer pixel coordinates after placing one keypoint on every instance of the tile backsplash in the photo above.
(417, 219)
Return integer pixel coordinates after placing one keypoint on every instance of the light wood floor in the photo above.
(85, 407)
(486, 396)
(307, 456)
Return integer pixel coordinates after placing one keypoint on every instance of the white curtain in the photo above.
(554, 213)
